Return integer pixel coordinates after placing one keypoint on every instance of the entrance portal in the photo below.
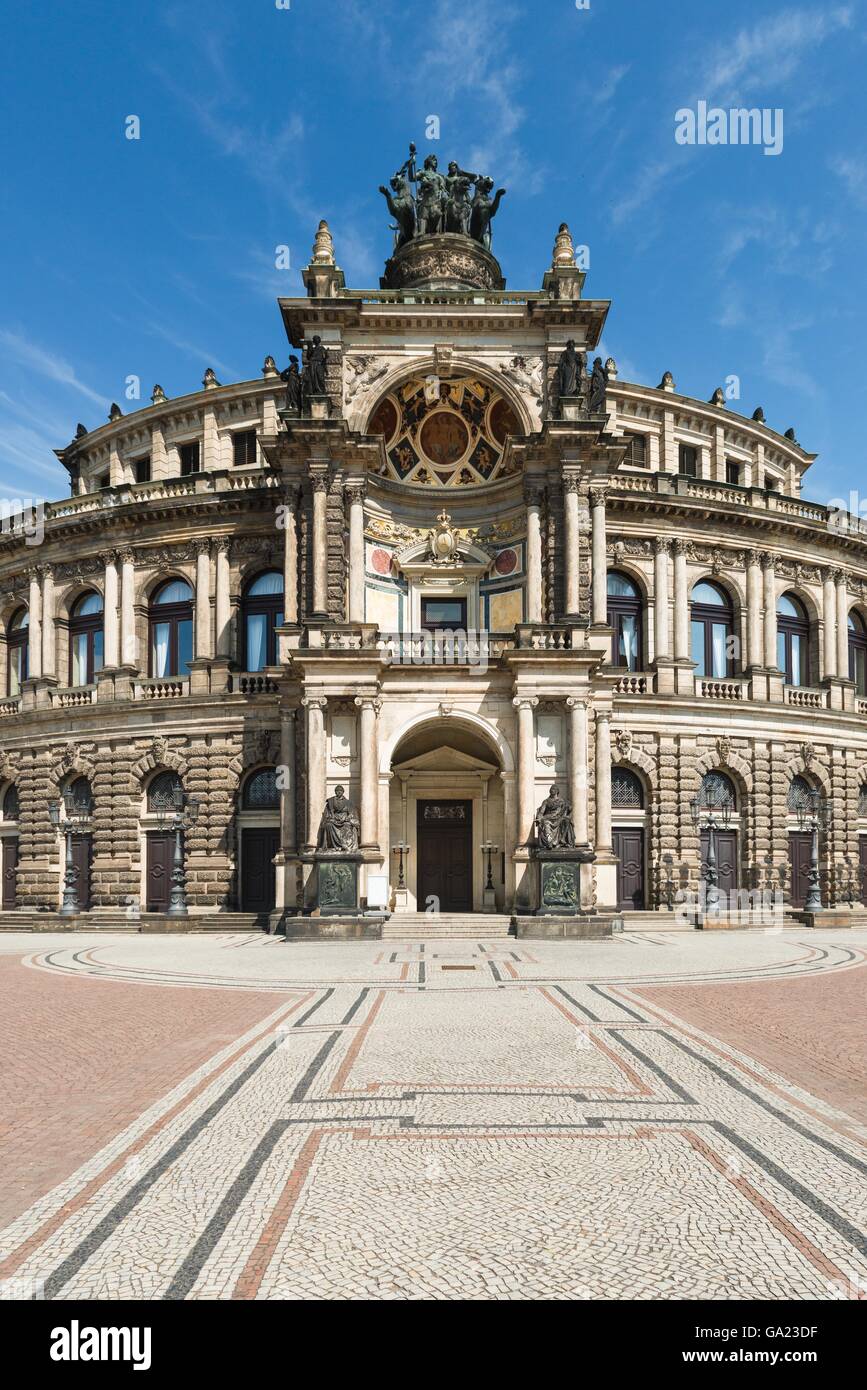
(445, 855)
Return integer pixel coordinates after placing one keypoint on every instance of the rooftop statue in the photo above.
(424, 202)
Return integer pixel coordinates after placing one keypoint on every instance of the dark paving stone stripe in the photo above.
(594, 1018)
(617, 1004)
(310, 1075)
(318, 1005)
(347, 1018)
(652, 1066)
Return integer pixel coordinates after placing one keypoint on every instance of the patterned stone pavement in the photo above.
(221, 1117)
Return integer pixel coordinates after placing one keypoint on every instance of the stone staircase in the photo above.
(467, 926)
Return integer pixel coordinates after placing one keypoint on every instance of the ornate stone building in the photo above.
(444, 569)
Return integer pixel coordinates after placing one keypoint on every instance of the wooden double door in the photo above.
(159, 861)
(725, 845)
(259, 844)
(628, 845)
(800, 849)
(9, 870)
(444, 835)
(82, 858)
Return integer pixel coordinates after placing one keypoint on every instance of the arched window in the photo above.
(170, 619)
(627, 793)
(799, 793)
(862, 800)
(86, 639)
(163, 792)
(625, 617)
(17, 642)
(11, 807)
(793, 640)
(79, 794)
(262, 611)
(858, 652)
(712, 627)
(261, 792)
(718, 790)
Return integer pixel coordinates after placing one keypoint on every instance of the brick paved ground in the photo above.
(219, 1117)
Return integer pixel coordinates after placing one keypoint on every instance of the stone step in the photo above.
(418, 926)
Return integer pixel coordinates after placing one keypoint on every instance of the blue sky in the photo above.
(155, 257)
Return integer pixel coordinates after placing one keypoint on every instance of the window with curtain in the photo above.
(625, 618)
(170, 621)
(262, 614)
(86, 639)
(793, 640)
(858, 652)
(711, 628)
(17, 643)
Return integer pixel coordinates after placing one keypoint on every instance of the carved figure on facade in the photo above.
(555, 828)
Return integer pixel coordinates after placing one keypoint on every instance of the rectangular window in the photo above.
(185, 647)
(79, 659)
(733, 472)
(190, 458)
(143, 469)
(103, 481)
(628, 645)
(257, 641)
(698, 647)
(636, 450)
(772, 484)
(447, 613)
(688, 461)
(719, 633)
(160, 659)
(244, 447)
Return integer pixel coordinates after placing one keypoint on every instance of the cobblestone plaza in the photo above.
(234, 1116)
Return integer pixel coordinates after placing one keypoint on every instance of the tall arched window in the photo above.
(11, 806)
(262, 611)
(17, 642)
(799, 793)
(717, 790)
(261, 792)
(793, 640)
(627, 793)
(712, 627)
(86, 639)
(162, 792)
(170, 619)
(625, 617)
(858, 652)
(80, 794)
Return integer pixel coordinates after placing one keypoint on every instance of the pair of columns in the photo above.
(368, 707)
(578, 770)
(533, 494)
(354, 492)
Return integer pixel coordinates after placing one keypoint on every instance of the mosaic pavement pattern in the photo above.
(238, 1117)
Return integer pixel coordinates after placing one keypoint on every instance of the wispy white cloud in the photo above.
(35, 358)
(201, 355)
(768, 55)
(853, 172)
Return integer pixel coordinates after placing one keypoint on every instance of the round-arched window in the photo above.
(799, 793)
(79, 796)
(11, 805)
(862, 799)
(793, 640)
(858, 652)
(261, 792)
(625, 618)
(262, 614)
(170, 621)
(86, 639)
(712, 627)
(17, 642)
(718, 789)
(627, 793)
(163, 792)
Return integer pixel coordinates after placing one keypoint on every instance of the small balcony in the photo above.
(73, 696)
(732, 688)
(163, 688)
(633, 683)
(805, 697)
(252, 683)
(10, 706)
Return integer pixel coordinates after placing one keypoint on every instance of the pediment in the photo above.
(445, 759)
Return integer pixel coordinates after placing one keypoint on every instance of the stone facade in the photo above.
(441, 427)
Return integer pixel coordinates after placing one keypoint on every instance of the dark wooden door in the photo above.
(158, 870)
(10, 872)
(258, 875)
(800, 845)
(862, 860)
(629, 848)
(725, 843)
(445, 855)
(82, 854)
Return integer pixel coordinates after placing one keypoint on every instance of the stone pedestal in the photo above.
(573, 407)
(831, 917)
(333, 885)
(319, 407)
(560, 880)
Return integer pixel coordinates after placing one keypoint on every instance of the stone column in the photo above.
(681, 603)
(223, 606)
(755, 653)
(290, 555)
(355, 495)
(660, 600)
(288, 832)
(842, 625)
(573, 543)
(533, 499)
(111, 626)
(203, 599)
(829, 621)
(34, 606)
(127, 609)
(599, 557)
(603, 781)
(319, 482)
(49, 663)
(526, 768)
(578, 767)
(770, 586)
(368, 708)
(316, 784)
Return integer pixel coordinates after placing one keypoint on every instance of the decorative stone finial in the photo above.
(790, 434)
(611, 369)
(269, 367)
(209, 380)
(115, 413)
(667, 383)
(564, 251)
(158, 395)
(323, 245)
(80, 430)
(718, 397)
(759, 415)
